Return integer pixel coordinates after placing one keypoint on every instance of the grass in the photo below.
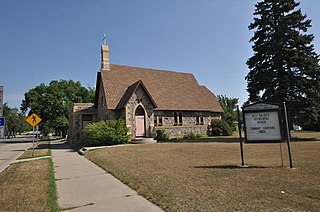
(42, 148)
(53, 198)
(206, 176)
(25, 186)
(30, 186)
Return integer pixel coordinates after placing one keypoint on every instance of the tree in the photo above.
(284, 67)
(14, 121)
(229, 106)
(52, 103)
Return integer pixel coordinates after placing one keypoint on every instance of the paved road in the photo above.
(11, 149)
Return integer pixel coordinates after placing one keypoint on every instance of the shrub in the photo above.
(161, 135)
(219, 127)
(191, 136)
(109, 132)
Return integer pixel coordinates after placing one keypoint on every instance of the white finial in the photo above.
(105, 39)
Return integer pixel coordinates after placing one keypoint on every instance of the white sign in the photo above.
(262, 126)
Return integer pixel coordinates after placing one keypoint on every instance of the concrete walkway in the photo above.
(83, 186)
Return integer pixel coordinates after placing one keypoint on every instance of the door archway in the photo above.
(140, 122)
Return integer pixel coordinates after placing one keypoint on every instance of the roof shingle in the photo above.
(169, 90)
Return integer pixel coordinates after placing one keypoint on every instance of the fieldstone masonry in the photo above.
(139, 98)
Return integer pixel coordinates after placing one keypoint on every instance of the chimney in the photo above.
(105, 66)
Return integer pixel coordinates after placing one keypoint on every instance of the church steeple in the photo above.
(105, 66)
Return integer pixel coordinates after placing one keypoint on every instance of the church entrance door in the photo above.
(140, 122)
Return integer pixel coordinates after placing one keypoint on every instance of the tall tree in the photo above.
(284, 67)
(52, 103)
(14, 121)
(229, 106)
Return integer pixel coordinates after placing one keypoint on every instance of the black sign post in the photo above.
(288, 134)
(240, 136)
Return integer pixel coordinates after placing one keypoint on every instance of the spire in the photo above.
(105, 66)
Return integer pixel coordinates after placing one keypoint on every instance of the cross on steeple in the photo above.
(104, 39)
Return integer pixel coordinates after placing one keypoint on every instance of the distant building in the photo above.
(147, 100)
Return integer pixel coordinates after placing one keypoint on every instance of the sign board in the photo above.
(1, 121)
(262, 126)
(262, 122)
(33, 120)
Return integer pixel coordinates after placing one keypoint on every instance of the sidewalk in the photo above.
(83, 186)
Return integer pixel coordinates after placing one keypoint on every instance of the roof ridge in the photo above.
(161, 70)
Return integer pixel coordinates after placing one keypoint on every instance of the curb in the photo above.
(30, 159)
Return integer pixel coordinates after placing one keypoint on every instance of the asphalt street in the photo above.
(11, 149)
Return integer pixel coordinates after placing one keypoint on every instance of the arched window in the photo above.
(180, 118)
(197, 119)
(155, 120)
(201, 120)
(139, 111)
(160, 120)
(175, 118)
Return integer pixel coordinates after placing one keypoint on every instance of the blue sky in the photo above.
(42, 40)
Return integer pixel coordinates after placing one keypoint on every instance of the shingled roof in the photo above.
(169, 90)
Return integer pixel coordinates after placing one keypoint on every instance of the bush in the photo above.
(219, 127)
(110, 132)
(191, 136)
(161, 135)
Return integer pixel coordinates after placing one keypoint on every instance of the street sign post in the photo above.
(2, 123)
(33, 120)
(1, 101)
(1, 114)
(1, 109)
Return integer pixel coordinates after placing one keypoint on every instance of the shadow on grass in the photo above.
(200, 140)
(230, 167)
(8, 141)
(43, 146)
(304, 139)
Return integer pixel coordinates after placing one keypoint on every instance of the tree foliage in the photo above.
(219, 127)
(284, 67)
(14, 121)
(52, 102)
(229, 106)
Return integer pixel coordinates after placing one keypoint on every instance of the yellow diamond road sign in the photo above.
(33, 120)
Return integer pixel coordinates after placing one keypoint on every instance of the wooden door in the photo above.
(140, 126)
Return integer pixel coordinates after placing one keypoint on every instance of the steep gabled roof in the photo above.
(169, 90)
(130, 91)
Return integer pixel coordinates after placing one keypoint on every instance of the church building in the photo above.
(147, 99)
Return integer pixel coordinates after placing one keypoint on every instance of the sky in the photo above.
(43, 40)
